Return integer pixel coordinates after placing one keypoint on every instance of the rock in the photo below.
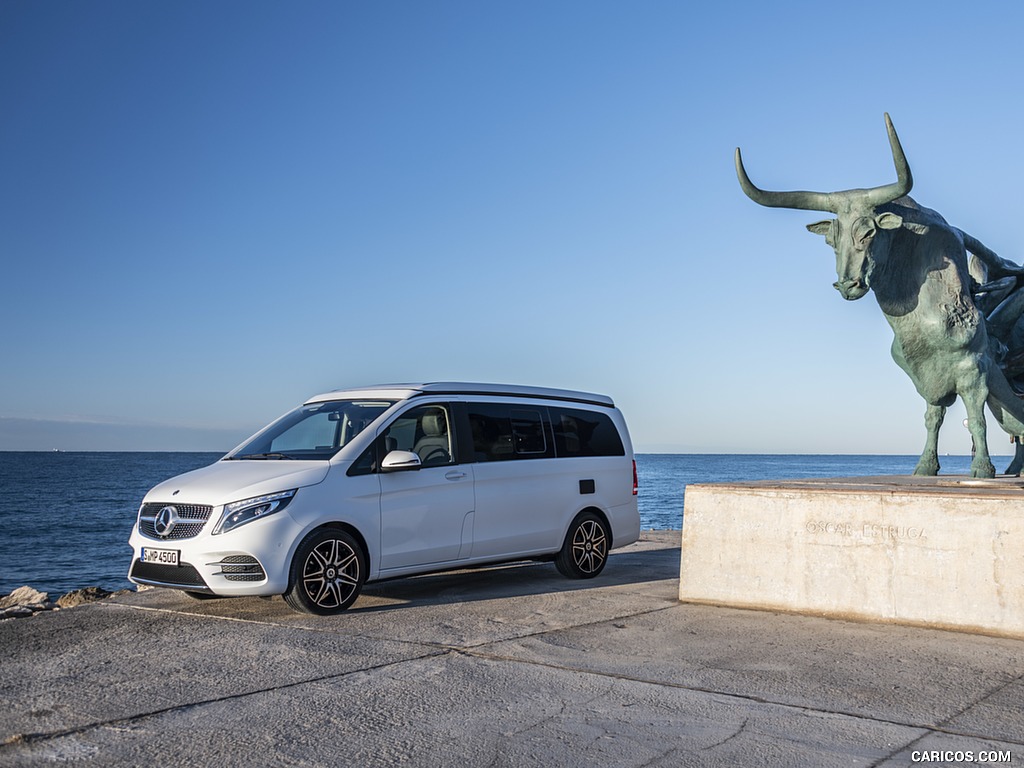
(26, 597)
(26, 601)
(82, 596)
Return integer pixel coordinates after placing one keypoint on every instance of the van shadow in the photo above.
(518, 579)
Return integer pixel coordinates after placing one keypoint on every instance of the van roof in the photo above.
(406, 391)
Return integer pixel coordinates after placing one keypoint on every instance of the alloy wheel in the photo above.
(589, 546)
(331, 573)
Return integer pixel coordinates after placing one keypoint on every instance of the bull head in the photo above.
(859, 234)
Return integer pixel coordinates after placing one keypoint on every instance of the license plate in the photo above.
(160, 556)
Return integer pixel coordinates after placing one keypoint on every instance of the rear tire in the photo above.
(585, 550)
(327, 573)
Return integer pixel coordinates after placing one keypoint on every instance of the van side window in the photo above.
(426, 431)
(585, 433)
(367, 462)
(502, 432)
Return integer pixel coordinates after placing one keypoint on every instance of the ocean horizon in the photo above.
(69, 513)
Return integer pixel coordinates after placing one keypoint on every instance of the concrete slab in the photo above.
(81, 666)
(507, 666)
(936, 551)
(912, 676)
(462, 711)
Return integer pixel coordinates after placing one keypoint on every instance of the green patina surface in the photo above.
(956, 319)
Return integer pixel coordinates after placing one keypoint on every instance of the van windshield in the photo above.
(316, 431)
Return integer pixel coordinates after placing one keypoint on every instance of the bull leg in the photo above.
(975, 402)
(1018, 457)
(928, 464)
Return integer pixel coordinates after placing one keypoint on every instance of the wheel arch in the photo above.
(604, 518)
(347, 527)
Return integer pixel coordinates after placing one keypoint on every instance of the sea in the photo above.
(67, 516)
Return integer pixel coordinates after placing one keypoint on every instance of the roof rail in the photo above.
(513, 390)
(470, 388)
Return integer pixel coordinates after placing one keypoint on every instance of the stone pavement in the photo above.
(504, 666)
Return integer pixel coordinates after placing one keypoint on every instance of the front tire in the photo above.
(327, 573)
(585, 550)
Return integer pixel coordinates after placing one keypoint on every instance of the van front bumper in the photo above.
(251, 560)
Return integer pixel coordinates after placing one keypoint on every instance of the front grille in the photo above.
(183, 575)
(191, 519)
(241, 568)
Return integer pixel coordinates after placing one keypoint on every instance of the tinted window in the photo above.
(585, 433)
(528, 432)
(504, 432)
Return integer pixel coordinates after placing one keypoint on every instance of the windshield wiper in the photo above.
(263, 456)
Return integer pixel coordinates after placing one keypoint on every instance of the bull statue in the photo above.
(917, 266)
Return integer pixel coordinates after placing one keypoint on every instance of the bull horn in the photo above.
(830, 201)
(904, 180)
(799, 200)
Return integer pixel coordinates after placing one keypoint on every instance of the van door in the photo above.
(521, 490)
(426, 515)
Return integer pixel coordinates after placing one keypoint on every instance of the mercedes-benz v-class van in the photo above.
(360, 485)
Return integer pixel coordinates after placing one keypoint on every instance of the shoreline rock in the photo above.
(82, 596)
(26, 601)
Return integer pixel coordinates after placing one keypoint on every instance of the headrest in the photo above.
(435, 424)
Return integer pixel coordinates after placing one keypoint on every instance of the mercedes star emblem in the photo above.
(165, 521)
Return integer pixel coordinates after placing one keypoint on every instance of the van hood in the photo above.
(234, 480)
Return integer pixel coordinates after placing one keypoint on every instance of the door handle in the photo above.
(454, 475)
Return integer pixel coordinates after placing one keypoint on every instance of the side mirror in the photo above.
(398, 461)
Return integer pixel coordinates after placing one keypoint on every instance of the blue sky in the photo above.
(209, 211)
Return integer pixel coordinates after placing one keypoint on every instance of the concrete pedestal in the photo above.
(944, 551)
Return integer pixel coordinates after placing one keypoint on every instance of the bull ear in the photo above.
(889, 221)
(821, 227)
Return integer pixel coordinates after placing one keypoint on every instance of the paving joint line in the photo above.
(552, 630)
(276, 625)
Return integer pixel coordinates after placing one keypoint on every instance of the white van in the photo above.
(366, 484)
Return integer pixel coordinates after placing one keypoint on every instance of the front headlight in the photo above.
(245, 511)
